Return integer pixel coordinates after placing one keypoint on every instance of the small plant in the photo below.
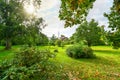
(56, 50)
(80, 51)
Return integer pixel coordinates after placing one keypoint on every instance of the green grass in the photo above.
(106, 66)
(7, 54)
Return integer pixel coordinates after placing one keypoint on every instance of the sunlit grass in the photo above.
(106, 65)
(7, 54)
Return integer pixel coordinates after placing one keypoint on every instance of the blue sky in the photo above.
(50, 10)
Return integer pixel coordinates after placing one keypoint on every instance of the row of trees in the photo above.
(63, 40)
(74, 12)
(16, 24)
(90, 33)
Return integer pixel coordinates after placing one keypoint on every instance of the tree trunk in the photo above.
(8, 44)
(89, 43)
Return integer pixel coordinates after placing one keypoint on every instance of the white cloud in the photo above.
(50, 11)
(48, 4)
(100, 7)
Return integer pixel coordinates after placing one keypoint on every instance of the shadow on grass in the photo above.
(108, 51)
(99, 61)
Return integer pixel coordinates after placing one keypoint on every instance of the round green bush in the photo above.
(79, 51)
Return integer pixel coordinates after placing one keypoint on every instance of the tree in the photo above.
(114, 23)
(74, 12)
(52, 40)
(114, 19)
(42, 39)
(65, 40)
(58, 42)
(114, 37)
(13, 19)
(33, 31)
(89, 31)
(9, 20)
(117, 5)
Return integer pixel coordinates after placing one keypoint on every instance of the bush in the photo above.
(80, 51)
(116, 45)
(58, 43)
(31, 64)
(56, 50)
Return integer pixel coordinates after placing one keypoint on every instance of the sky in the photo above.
(50, 10)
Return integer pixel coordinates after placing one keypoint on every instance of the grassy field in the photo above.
(106, 66)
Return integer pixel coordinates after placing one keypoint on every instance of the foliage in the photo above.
(114, 24)
(58, 43)
(104, 66)
(65, 40)
(52, 40)
(80, 51)
(117, 5)
(114, 37)
(42, 39)
(89, 31)
(14, 21)
(31, 64)
(31, 39)
(74, 12)
(9, 20)
(114, 19)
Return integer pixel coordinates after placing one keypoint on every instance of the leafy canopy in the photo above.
(74, 12)
(114, 24)
(15, 21)
(89, 31)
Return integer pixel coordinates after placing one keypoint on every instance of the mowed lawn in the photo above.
(106, 65)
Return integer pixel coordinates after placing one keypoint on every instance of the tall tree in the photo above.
(53, 40)
(114, 24)
(74, 12)
(89, 31)
(114, 19)
(10, 19)
(13, 19)
(114, 37)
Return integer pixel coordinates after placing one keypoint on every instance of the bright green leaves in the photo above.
(88, 31)
(74, 12)
(16, 21)
(114, 19)
(114, 24)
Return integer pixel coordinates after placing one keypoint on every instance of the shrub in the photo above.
(56, 50)
(58, 43)
(31, 64)
(116, 45)
(80, 51)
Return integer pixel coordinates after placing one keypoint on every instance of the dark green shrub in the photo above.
(116, 45)
(80, 51)
(58, 43)
(2, 43)
(32, 64)
(56, 50)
